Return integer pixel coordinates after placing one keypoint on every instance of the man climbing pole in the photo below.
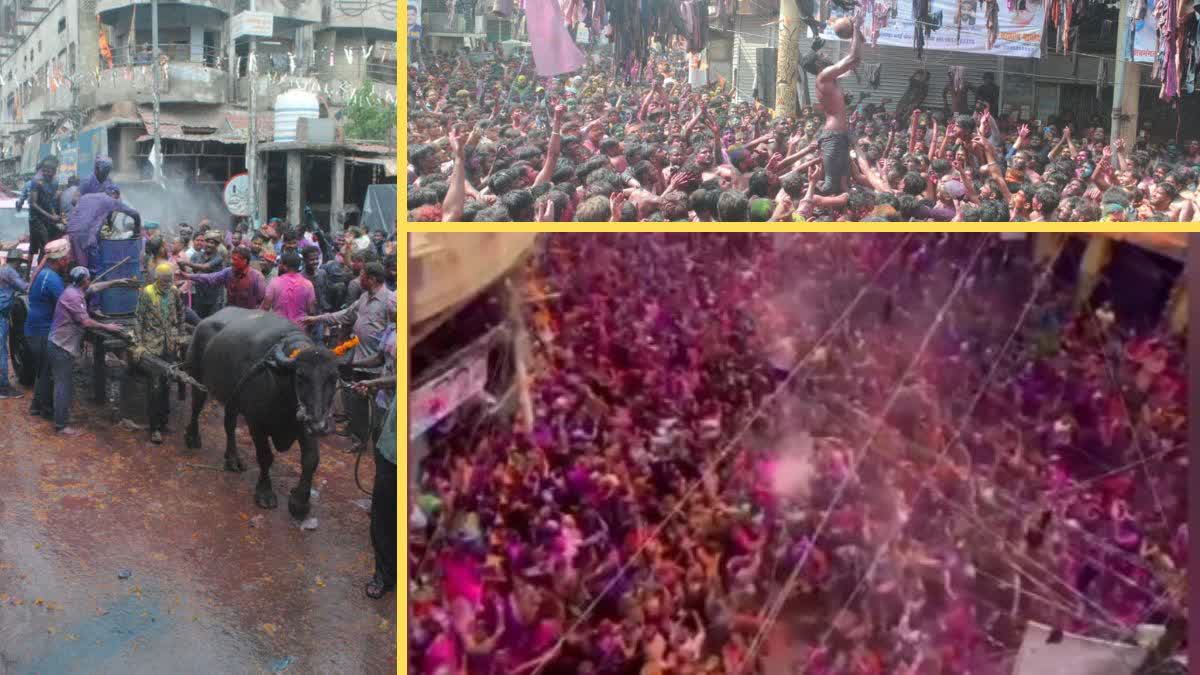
(834, 139)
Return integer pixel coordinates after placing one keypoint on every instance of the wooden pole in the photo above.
(787, 66)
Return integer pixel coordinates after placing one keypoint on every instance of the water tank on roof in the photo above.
(290, 106)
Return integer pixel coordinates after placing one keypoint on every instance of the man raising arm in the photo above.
(834, 139)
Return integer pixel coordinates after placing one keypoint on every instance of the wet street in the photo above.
(214, 583)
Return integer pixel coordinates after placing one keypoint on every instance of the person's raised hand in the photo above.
(559, 111)
(546, 215)
(1066, 132)
(616, 200)
(1023, 132)
(783, 208)
(916, 115)
(1119, 144)
(458, 140)
(773, 163)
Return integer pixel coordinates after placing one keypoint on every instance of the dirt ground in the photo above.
(215, 584)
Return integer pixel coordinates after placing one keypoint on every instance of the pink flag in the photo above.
(554, 52)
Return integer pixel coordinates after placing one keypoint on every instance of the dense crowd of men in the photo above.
(904, 445)
(488, 140)
(337, 289)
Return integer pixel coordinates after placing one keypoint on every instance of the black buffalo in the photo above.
(263, 367)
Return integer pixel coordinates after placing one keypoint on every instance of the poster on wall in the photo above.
(414, 19)
(77, 156)
(1145, 34)
(961, 26)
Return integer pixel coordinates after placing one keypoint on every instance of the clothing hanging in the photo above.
(694, 15)
(1101, 76)
(880, 13)
(873, 75)
(920, 12)
(807, 9)
(1190, 59)
(914, 95)
(1166, 18)
(554, 52)
(992, 21)
(958, 77)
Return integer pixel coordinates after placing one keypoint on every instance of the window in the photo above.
(62, 24)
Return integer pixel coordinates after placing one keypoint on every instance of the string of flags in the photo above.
(55, 77)
(336, 90)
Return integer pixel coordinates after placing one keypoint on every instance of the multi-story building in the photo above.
(77, 80)
(470, 24)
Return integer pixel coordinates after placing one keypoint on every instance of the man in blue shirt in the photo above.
(98, 182)
(11, 284)
(44, 292)
(383, 497)
(83, 226)
(69, 196)
(44, 218)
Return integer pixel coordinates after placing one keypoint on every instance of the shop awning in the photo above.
(213, 125)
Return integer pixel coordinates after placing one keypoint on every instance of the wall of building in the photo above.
(104, 6)
(362, 14)
(53, 41)
(305, 11)
(185, 83)
(1030, 88)
(356, 39)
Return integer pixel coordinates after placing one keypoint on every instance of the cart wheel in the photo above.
(22, 359)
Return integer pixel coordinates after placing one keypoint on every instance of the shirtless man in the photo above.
(834, 139)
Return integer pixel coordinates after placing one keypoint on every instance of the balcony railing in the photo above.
(383, 72)
(176, 52)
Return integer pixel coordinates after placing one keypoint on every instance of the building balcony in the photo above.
(103, 6)
(191, 76)
(441, 23)
(334, 85)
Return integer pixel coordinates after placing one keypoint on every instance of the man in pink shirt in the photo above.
(290, 295)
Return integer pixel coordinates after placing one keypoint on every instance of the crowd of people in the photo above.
(340, 289)
(905, 445)
(488, 140)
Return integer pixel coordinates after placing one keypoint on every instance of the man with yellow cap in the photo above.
(158, 330)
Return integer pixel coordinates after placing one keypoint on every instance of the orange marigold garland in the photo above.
(346, 346)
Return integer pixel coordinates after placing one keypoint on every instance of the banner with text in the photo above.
(1017, 29)
(1145, 37)
(437, 399)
